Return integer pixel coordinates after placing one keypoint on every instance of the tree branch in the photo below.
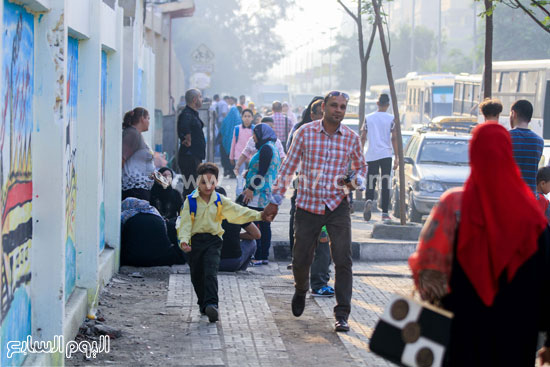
(520, 5)
(360, 34)
(371, 40)
(347, 10)
(541, 7)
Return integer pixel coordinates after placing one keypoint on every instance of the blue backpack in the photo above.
(237, 131)
(193, 207)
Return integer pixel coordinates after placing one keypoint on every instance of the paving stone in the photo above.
(256, 327)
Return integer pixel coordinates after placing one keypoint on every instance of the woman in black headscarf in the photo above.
(167, 201)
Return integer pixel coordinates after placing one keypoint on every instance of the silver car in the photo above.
(434, 163)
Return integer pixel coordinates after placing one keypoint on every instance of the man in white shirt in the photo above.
(380, 134)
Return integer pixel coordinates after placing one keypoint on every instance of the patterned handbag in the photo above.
(412, 333)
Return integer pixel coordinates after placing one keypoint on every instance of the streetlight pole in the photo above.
(474, 59)
(439, 38)
(412, 34)
(330, 59)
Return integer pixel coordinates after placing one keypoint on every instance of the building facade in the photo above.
(70, 69)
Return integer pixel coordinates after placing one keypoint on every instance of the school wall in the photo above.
(60, 158)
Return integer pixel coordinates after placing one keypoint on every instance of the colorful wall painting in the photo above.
(16, 176)
(70, 168)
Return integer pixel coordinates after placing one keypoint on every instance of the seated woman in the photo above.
(238, 248)
(485, 259)
(167, 201)
(146, 238)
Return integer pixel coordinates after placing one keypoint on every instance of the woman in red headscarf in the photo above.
(483, 253)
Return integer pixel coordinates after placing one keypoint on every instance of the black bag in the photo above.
(412, 333)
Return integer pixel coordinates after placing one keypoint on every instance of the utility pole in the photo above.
(488, 71)
(474, 58)
(412, 34)
(439, 38)
(330, 61)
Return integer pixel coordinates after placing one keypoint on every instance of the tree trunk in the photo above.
(363, 86)
(378, 22)
(488, 73)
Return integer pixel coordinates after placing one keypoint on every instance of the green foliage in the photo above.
(517, 37)
(244, 44)
(537, 10)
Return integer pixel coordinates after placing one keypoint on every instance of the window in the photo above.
(413, 147)
(458, 91)
(496, 81)
(528, 81)
(509, 82)
(444, 151)
(406, 152)
(468, 93)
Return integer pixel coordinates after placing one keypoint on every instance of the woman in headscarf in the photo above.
(167, 201)
(483, 254)
(261, 175)
(146, 238)
(232, 119)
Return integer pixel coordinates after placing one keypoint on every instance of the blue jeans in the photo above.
(248, 248)
(264, 243)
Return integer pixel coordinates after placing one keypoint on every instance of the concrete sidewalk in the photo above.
(161, 323)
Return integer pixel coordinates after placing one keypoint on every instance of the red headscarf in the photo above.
(500, 221)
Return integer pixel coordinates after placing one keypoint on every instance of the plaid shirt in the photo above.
(324, 160)
(282, 126)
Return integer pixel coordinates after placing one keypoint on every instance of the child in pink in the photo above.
(241, 134)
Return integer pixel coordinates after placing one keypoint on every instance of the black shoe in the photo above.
(341, 324)
(212, 313)
(289, 266)
(298, 304)
(367, 211)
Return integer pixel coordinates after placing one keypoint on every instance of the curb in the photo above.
(371, 250)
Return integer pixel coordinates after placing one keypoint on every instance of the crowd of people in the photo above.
(484, 252)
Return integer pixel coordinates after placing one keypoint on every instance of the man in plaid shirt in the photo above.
(282, 125)
(324, 148)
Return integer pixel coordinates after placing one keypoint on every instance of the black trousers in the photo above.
(204, 261)
(307, 230)
(226, 162)
(375, 167)
(188, 167)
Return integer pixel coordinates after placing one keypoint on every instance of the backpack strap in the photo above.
(192, 206)
(219, 206)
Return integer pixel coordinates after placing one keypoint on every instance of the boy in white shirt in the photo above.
(381, 136)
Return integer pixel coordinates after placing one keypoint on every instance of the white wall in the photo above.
(98, 27)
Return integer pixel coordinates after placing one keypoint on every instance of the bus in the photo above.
(524, 79)
(424, 97)
(467, 94)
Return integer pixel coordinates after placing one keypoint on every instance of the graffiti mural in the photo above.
(102, 150)
(16, 176)
(70, 169)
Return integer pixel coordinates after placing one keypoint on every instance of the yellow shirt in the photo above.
(205, 218)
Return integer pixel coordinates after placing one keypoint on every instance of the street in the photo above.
(156, 311)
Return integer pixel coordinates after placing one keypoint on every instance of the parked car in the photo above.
(434, 162)
(352, 123)
(545, 157)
